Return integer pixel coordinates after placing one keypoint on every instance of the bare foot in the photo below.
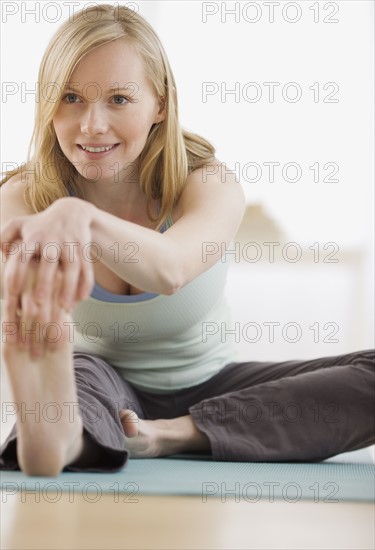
(161, 437)
(49, 426)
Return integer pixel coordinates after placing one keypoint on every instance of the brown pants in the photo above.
(291, 411)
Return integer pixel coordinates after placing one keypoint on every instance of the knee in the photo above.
(366, 359)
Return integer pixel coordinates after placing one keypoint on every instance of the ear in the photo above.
(162, 113)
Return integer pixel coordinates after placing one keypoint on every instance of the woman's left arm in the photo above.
(210, 207)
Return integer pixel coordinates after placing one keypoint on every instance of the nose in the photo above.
(94, 120)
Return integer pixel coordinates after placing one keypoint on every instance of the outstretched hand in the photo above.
(28, 327)
(57, 238)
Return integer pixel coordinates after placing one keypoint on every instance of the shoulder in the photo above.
(12, 199)
(216, 183)
(214, 171)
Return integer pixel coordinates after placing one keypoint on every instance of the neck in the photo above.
(124, 200)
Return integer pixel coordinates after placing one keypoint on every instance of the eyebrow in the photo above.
(117, 89)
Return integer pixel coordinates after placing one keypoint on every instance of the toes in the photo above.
(130, 422)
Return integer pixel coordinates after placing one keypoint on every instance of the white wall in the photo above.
(225, 49)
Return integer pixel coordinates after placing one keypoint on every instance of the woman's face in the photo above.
(106, 112)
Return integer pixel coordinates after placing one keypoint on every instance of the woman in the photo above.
(127, 217)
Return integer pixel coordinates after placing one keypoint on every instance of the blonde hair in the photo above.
(170, 152)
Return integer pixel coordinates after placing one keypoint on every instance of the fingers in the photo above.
(21, 309)
(10, 324)
(40, 332)
(10, 233)
(16, 266)
(30, 329)
(86, 281)
(12, 246)
(55, 329)
(78, 279)
(12, 299)
(43, 290)
(36, 302)
(71, 270)
(76, 284)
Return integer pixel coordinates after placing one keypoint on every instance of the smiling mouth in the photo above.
(102, 149)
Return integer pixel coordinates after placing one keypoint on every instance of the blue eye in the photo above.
(120, 100)
(70, 98)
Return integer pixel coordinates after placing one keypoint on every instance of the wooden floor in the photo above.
(165, 522)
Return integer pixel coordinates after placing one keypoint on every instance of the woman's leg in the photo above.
(48, 436)
(101, 394)
(67, 404)
(269, 412)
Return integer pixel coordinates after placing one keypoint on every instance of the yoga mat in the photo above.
(328, 482)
